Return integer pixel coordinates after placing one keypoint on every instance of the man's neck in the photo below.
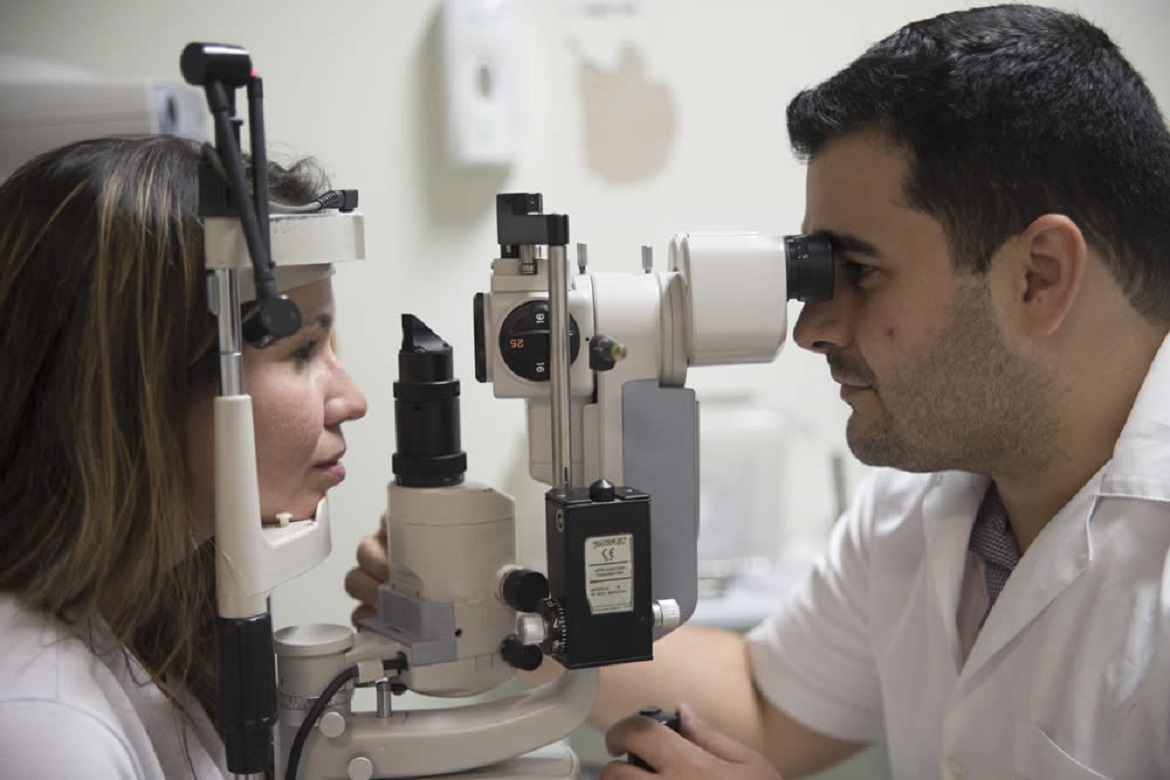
(1032, 501)
(1094, 414)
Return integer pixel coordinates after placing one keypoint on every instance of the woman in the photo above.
(108, 369)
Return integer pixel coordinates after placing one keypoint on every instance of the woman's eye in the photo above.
(305, 352)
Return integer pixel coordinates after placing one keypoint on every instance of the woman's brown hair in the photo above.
(105, 338)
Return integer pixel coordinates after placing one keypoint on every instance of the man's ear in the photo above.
(1047, 265)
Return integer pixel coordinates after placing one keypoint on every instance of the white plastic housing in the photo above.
(304, 247)
(736, 296)
(251, 558)
(722, 301)
(422, 743)
(448, 545)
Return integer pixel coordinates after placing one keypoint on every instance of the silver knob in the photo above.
(531, 629)
(332, 724)
(667, 614)
(361, 768)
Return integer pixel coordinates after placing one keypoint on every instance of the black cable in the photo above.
(342, 200)
(298, 745)
(318, 708)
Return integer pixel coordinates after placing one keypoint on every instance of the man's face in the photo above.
(914, 342)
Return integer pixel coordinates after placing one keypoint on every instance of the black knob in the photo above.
(524, 589)
(604, 353)
(520, 655)
(601, 490)
(203, 62)
(276, 318)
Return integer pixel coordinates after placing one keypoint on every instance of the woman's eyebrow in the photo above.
(322, 319)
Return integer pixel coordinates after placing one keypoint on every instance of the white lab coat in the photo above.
(72, 709)
(1070, 675)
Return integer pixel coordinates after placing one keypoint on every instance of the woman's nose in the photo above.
(347, 402)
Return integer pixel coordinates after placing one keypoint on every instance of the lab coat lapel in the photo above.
(1140, 467)
(948, 512)
(1058, 555)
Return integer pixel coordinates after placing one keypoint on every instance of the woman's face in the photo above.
(301, 395)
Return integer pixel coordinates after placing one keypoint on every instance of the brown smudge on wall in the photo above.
(629, 122)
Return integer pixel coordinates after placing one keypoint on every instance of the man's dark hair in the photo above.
(1011, 112)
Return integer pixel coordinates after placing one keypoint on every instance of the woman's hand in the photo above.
(700, 752)
(372, 570)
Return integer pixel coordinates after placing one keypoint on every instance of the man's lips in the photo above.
(850, 382)
(851, 388)
(848, 391)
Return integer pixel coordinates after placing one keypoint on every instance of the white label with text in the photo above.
(609, 573)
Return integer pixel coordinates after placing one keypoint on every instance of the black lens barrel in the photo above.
(426, 410)
(810, 267)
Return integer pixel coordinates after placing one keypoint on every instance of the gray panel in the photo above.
(427, 628)
(660, 450)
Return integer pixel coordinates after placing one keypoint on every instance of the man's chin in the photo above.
(881, 449)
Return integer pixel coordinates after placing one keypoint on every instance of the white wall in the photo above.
(356, 84)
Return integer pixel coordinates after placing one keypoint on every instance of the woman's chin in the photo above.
(304, 509)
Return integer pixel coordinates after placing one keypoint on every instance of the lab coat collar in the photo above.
(948, 513)
(1059, 554)
(1140, 466)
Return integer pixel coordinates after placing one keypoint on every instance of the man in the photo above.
(996, 603)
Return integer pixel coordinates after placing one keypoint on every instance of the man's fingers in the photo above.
(649, 739)
(718, 744)
(619, 735)
(362, 587)
(622, 770)
(371, 555)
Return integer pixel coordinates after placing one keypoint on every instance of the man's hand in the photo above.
(372, 570)
(700, 752)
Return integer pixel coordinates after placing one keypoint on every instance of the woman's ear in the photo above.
(1044, 268)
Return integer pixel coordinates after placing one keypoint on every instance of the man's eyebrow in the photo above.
(846, 242)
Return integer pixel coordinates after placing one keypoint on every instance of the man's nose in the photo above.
(825, 326)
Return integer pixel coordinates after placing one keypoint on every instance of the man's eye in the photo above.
(855, 272)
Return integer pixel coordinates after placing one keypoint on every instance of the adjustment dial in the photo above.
(524, 340)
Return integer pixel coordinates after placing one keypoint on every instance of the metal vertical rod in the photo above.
(558, 304)
(224, 296)
(385, 699)
(527, 259)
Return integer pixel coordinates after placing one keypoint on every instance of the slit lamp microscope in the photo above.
(600, 361)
